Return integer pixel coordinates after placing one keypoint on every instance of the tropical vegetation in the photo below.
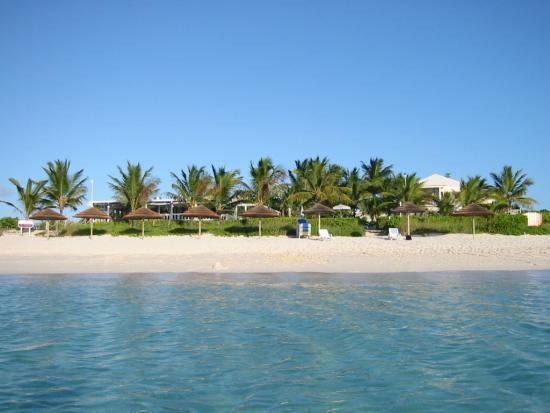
(372, 190)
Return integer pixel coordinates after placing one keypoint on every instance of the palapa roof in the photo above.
(473, 210)
(319, 209)
(260, 211)
(408, 208)
(200, 211)
(92, 213)
(142, 213)
(48, 214)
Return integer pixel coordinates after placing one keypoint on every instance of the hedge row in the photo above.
(248, 227)
(497, 224)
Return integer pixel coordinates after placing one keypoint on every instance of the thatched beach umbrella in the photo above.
(200, 212)
(319, 209)
(143, 214)
(90, 214)
(48, 215)
(473, 210)
(260, 211)
(408, 208)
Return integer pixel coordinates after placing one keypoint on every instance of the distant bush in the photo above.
(8, 223)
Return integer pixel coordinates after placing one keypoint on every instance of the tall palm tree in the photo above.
(63, 189)
(31, 196)
(474, 190)
(191, 187)
(376, 175)
(377, 179)
(320, 181)
(510, 187)
(356, 188)
(134, 187)
(407, 188)
(266, 176)
(225, 186)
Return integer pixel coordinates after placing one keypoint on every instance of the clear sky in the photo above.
(443, 86)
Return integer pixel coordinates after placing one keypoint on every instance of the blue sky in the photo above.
(460, 87)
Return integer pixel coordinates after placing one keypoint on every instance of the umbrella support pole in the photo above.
(473, 227)
(91, 228)
(48, 229)
(319, 228)
(260, 227)
(408, 237)
(142, 228)
(200, 228)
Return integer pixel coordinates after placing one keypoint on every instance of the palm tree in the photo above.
(446, 204)
(191, 187)
(354, 183)
(31, 196)
(375, 206)
(265, 178)
(377, 179)
(224, 190)
(407, 188)
(376, 175)
(474, 190)
(510, 187)
(134, 187)
(319, 181)
(63, 189)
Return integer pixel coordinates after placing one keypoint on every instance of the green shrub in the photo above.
(8, 223)
(497, 224)
(286, 226)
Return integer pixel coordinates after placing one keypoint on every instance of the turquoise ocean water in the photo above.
(447, 342)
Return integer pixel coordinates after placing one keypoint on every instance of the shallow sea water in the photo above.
(452, 342)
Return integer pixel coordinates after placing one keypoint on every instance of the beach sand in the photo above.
(210, 254)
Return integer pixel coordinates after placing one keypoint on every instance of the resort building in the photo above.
(437, 185)
(169, 208)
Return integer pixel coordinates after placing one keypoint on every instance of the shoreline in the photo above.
(246, 255)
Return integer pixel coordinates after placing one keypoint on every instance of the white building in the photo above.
(437, 185)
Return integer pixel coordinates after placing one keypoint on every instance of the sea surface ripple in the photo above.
(453, 342)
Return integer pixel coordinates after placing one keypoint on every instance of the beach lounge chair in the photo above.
(323, 234)
(393, 233)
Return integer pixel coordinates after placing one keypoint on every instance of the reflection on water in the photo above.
(276, 342)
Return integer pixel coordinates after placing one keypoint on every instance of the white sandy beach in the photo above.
(106, 254)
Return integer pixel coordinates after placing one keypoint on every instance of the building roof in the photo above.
(437, 181)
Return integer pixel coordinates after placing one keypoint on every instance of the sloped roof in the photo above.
(436, 180)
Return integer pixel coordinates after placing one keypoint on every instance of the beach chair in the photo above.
(324, 235)
(303, 228)
(393, 233)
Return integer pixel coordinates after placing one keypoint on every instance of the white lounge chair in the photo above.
(393, 233)
(323, 234)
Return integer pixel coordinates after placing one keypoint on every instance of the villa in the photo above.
(437, 185)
